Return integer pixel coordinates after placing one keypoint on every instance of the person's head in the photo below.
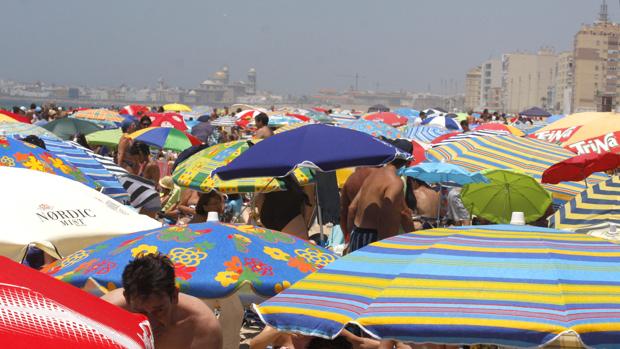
(210, 202)
(422, 115)
(128, 126)
(160, 109)
(465, 125)
(33, 106)
(145, 122)
(150, 289)
(261, 120)
(34, 140)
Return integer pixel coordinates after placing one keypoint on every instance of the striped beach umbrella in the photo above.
(99, 116)
(374, 128)
(530, 156)
(13, 128)
(596, 205)
(165, 138)
(513, 286)
(424, 134)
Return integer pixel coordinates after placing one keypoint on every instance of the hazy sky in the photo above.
(296, 46)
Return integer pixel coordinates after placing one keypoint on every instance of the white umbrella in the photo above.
(58, 215)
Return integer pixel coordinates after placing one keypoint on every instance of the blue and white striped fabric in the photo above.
(89, 165)
(424, 134)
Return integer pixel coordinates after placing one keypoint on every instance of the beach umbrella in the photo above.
(76, 155)
(177, 107)
(407, 112)
(535, 112)
(165, 138)
(174, 120)
(212, 260)
(134, 110)
(67, 128)
(99, 116)
(108, 138)
(340, 119)
(281, 120)
(141, 191)
(554, 118)
(419, 152)
(18, 154)
(584, 133)
(60, 216)
(13, 128)
(203, 130)
(197, 172)
(532, 157)
(424, 134)
(438, 172)
(500, 128)
(580, 167)
(289, 127)
(378, 108)
(245, 117)
(598, 204)
(388, 118)
(507, 191)
(317, 146)
(224, 121)
(442, 121)
(374, 128)
(435, 112)
(8, 116)
(301, 117)
(41, 312)
(319, 117)
(512, 286)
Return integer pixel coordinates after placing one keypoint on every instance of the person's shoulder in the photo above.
(205, 326)
(194, 306)
(115, 297)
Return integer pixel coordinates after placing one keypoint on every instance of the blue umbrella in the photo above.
(424, 134)
(535, 111)
(554, 118)
(442, 121)
(438, 172)
(323, 147)
(407, 112)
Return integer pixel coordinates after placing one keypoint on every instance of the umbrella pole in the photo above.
(439, 206)
(318, 212)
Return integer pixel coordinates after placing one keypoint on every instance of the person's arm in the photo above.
(122, 150)
(360, 342)
(344, 213)
(352, 211)
(207, 333)
(265, 338)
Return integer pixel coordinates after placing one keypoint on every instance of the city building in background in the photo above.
(562, 100)
(473, 83)
(491, 85)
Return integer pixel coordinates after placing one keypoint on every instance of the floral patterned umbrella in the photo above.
(212, 260)
(15, 153)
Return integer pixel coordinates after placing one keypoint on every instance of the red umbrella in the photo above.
(320, 110)
(580, 167)
(38, 311)
(389, 118)
(168, 120)
(245, 117)
(299, 116)
(134, 109)
(419, 153)
(17, 117)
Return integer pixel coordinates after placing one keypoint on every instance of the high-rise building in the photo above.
(472, 88)
(596, 56)
(526, 79)
(491, 84)
(563, 88)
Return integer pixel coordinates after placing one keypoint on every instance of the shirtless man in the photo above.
(178, 320)
(349, 190)
(379, 209)
(262, 128)
(124, 158)
(427, 202)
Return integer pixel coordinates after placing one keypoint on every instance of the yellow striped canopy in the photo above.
(98, 115)
(526, 155)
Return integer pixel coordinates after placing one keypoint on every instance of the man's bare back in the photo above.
(263, 132)
(193, 325)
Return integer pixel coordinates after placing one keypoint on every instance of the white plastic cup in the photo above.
(213, 216)
(518, 218)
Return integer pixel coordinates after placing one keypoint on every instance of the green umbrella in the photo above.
(108, 138)
(66, 128)
(461, 117)
(508, 191)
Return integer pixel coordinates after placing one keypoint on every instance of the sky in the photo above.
(297, 47)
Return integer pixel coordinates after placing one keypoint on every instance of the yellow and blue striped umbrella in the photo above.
(596, 205)
(529, 156)
(515, 286)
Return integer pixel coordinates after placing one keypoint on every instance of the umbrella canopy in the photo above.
(17, 154)
(507, 191)
(74, 154)
(500, 128)
(580, 167)
(174, 120)
(378, 108)
(134, 109)
(197, 172)
(424, 134)
(407, 112)
(530, 156)
(108, 138)
(41, 312)
(12, 128)
(8, 116)
(212, 260)
(438, 172)
(318, 116)
(99, 116)
(535, 112)
(165, 138)
(178, 107)
(596, 205)
(513, 286)
(244, 118)
(224, 121)
(301, 117)
(387, 118)
(317, 146)
(67, 128)
(61, 216)
(584, 132)
(203, 130)
(442, 121)
(374, 128)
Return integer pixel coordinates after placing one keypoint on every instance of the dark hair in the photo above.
(139, 148)
(32, 139)
(145, 118)
(208, 199)
(336, 343)
(398, 163)
(464, 123)
(263, 118)
(149, 274)
(80, 139)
